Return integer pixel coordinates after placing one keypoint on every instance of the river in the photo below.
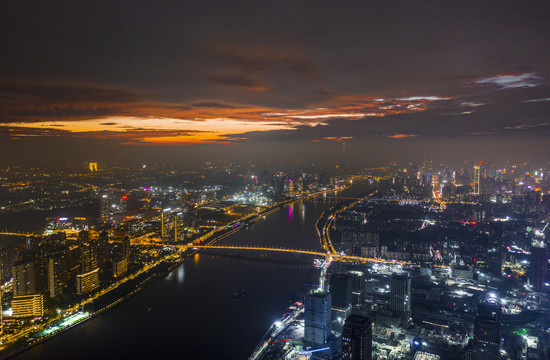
(192, 313)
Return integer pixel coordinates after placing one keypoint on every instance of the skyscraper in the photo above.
(317, 316)
(89, 260)
(357, 338)
(487, 330)
(87, 279)
(400, 294)
(7, 259)
(539, 264)
(357, 287)
(103, 249)
(104, 206)
(57, 275)
(24, 278)
(126, 246)
(175, 226)
(83, 236)
(477, 173)
(340, 290)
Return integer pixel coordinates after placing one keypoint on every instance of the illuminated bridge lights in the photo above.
(332, 256)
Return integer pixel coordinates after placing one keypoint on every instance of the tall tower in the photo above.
(57, 279)
(400, 294)
(162, 235)
(104, 206)
(175, 225)
(126, 246)
(317, 316)
(487, 331)
(477, 173)
(539, 264)
(103, 249)
(357, 287)
(357, 338)
(340, 290)
(89, 257)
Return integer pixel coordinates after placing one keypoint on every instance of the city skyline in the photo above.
(298, 180)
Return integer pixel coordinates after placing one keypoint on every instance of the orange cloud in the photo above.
(401, 136)
(129, 117)
(338, 138)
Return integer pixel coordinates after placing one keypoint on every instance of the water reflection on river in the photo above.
(192, 313)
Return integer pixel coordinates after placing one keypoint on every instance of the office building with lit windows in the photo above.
(400, 294)
(27, 306)
(357, 338)
(87, 282)
(317, 318)
(539, 265)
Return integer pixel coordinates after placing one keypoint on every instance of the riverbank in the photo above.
(175, 262)
(322, 226)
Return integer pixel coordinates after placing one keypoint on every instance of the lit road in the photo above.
(17, 234)
(277, 329)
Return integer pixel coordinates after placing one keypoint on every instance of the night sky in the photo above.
(395, 80)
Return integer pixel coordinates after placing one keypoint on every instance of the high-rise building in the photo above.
(112, 203)
(120, 266)
(27, 305)
(24, 282)
(87, 279)
(539, 265)
(357, 338)
(317, 318)
(104, 206)
(400, 293)
(72, 257)
(57, 275)
(477, 175)
(40, 255)
(126, 246)
(89, 257)
(175, 226)
(340, 290)
(357, 287)
(487, 331)
(103, 249)
(93, 166)
(87, 282)
(83, 236)
(162, 226)
(7, 260)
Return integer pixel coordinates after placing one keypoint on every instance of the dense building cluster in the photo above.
(458, 269)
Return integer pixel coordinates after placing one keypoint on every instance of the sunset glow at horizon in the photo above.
(219, 125)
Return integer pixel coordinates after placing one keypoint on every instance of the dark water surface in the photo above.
(174, 318)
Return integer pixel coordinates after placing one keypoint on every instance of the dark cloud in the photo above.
(256, 60)
(33, 103)
(196, 60)
(239, 81)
